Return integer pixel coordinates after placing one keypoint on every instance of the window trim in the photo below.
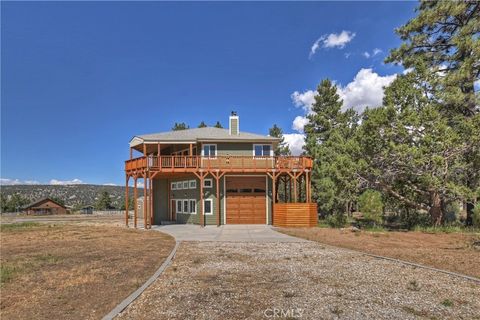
(181, 205)
(211, 207)
(209, 156)
(187, 184)
(263, 144)
(187, 201)
(173, 186)
(211, 183)
(190, 206)
(179, 185)
(194, 184)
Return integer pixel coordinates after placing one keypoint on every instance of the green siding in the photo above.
(161, 207)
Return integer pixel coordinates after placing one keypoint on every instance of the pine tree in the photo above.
(442, 45)
(282, 148)
(180, 126)
(218, 125)
(202, 125)
(330, 142)
(104, 202)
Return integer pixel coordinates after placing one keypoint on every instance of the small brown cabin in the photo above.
(45, 206)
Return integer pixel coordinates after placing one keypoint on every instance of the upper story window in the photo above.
(209, 150)
(262, 150)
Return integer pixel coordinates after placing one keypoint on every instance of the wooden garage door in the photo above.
(246, 202)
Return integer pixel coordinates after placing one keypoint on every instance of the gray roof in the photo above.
(201, 134)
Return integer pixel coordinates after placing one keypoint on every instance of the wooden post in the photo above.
(144, 149)
(151, 201)
(310, 186)
(307, 188)
(135, 208)
(145, 205)
(217, 185)
(126, 200)
(131, 153)
(285, 189)
(158, 149)
(274, 193)
(201, 200)
(295, 188)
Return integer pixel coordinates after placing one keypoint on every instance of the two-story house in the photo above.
(215, 176)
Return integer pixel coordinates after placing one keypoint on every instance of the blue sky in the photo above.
(78, 80)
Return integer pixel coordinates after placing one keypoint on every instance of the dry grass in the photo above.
(72, 271)
(448, 251)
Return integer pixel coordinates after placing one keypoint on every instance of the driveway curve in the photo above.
(235, 273)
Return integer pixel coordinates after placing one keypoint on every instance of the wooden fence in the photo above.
(295, 214)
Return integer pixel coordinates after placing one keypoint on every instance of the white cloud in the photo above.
(374, 52)
(366, 89)
(347, 55)
(295, 142)
(408, 70)
(332, 40)
(66, 182)
(13, 182)
(304, 100)
(299, 123)
(377, 51)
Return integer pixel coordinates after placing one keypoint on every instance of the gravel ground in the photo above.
(212, 280)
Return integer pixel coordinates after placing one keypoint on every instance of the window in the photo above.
(209, 150)
(262, 150)
(179, 206)
(193, 184)
(185, 184)
(173, 186)
(185, 206)
(207, 207)
(193, 206)
(179, 185)
(207, 183)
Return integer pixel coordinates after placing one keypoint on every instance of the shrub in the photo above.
(338, 220)
(371, 205)
(476, 216)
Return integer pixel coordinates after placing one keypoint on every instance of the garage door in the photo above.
(246, 202)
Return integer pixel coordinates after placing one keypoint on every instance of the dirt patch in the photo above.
(449, 251)
(215, 280)
(72, 271)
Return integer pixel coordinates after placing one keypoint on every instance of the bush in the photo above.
(476, 216)
(338, 220)
(371, 206)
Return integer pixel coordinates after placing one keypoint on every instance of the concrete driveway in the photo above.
(226, 233)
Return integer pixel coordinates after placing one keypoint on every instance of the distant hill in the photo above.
(72, 195)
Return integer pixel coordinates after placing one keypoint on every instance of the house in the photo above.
(45, 206)
(216, 176)
(87, 209)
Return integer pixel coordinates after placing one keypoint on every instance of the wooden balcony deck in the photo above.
(171, 164)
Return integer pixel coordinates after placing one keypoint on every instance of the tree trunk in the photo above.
(436, 212)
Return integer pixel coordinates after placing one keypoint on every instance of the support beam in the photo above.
(217, 204)
(145, 204)
(151, 201)
(202, 222)
(295, 195)
(135, 203)
(131, 153)
(144, 149)
(126, 200)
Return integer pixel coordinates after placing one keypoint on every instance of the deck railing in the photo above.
(177, 163)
